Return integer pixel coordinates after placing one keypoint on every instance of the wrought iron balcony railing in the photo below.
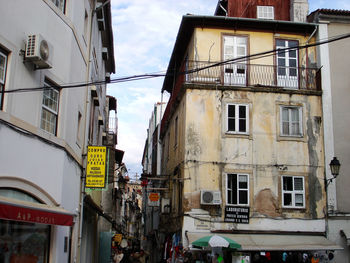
(250, 75)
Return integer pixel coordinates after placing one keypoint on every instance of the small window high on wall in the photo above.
(265, 12)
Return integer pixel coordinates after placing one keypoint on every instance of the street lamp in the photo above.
(335, 166)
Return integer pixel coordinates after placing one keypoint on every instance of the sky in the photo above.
(144, 36)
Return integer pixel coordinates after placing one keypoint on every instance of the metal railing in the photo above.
(250, 75)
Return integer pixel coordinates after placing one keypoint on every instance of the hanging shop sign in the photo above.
(236, 214)
(96, 167)
(153, 199)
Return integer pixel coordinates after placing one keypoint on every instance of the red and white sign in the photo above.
(153, 199)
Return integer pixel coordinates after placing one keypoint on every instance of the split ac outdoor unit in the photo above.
(210, 197)
(38, 51)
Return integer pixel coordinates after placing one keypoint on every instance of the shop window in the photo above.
(21, 241)
(293, 192)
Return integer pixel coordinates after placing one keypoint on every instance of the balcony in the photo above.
(252, 75)
(110, 137)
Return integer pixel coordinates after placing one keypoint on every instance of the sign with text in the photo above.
(237, 214)
(96, 167)
(153, 199)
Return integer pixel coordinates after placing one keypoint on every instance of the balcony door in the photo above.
(287, 64)
(235, 73)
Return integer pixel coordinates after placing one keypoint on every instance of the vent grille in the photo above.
(31, 45)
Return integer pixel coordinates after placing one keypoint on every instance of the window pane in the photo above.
(287, 199)
(293, 54)
(285, 114)
(2, 68)
(285, 128)
(48, 121)
(243, 197)
(295, 114)
(234, 188)
(281, 62)
(280, 43)
(243, 182)
(292, 63)
(298, 184)
(242, 126)
(292, 72)
(287, 183)
(231, 125)
(292, 43)
(228, 50)
(231, 111)
(295, 130)
(241, 40)
(242, 111)
(299, 200)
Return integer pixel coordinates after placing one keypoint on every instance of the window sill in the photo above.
(291, 138)
(237, 135)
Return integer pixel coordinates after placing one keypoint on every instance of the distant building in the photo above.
(242, 137)
(48, 116)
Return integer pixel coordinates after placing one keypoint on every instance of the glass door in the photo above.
(287, 64)
(235, 73)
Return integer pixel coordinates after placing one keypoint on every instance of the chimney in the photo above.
(299, 9)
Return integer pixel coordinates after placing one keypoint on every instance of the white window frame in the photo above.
(2, 79)
(290, 122)
(237, 119)
(238, 189)
(50, 110)
(265, 12)
(293, 192)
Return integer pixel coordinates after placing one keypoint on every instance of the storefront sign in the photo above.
(96, 167)
(237, 214)
(153, 199)
(32, 215)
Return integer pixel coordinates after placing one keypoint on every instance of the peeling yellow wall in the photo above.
(205, 153)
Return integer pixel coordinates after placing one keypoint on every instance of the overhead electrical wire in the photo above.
(160, 74)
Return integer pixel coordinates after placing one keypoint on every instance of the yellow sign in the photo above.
(96, 167)
(118, 238)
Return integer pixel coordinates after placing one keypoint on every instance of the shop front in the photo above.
(25, 229)
(272, 248)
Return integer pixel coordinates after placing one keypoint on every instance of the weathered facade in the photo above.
(243, 135)
(334, 59)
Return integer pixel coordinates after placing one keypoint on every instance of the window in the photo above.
(237, 118)
(60, 4)
(287, 63)
(3, 65)
(235, 47)
(237, 189)
(293, 191)
(49, 112)
(265, 12)
(291, 121)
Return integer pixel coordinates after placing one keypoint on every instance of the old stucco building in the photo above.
(243, 132)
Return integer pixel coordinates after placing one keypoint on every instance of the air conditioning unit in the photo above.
(210, 197)
(38, 51)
